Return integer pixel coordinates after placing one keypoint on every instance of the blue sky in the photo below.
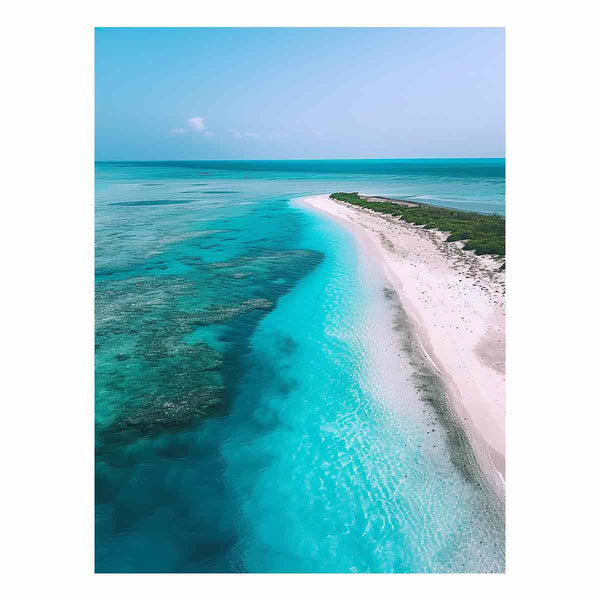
(199, 93)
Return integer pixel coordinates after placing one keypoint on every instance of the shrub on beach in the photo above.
(484, 234)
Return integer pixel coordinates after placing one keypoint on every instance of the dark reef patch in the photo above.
(150, 377)
(221, 313)
(170, 413)
(222, 192)
(151, 203)
(285, 344)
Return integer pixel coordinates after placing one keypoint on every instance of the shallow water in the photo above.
(260, 405)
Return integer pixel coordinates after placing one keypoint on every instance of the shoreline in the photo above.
(455, 302)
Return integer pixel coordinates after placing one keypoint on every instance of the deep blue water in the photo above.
(258, 404)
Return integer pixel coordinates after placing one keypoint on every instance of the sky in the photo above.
(283, 93)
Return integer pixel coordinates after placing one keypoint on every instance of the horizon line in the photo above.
(292, 159)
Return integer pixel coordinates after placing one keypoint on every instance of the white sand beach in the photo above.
(455, 300)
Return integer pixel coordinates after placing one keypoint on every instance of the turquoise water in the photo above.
(261, 405)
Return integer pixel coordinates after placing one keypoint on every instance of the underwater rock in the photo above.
(221, 313)
(257, 303)
(220, 265)
(198, 357)
(183, 384)
(168, 413)
(282, 260)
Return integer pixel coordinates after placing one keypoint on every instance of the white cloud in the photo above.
(315, 133)
(238, 135)
(178, 131)
(209, 134)
(196, 123)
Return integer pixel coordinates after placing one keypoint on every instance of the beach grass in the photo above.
(484, 234)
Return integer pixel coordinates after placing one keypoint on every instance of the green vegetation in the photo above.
(484, 234)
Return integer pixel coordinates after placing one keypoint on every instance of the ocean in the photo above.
(260, 402)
